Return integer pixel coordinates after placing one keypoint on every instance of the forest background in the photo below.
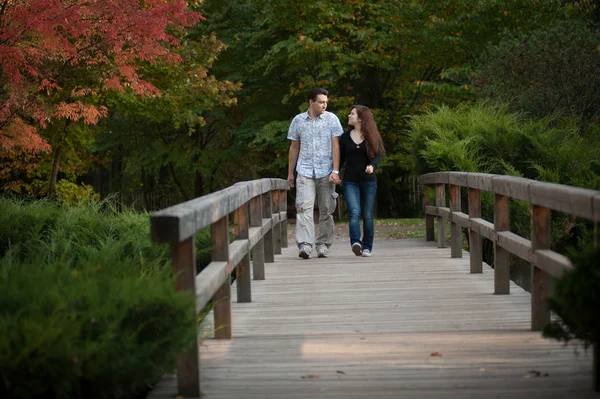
(165, 110)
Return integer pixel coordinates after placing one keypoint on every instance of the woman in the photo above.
(360, 149)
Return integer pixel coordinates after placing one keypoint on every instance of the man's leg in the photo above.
(327, 198)
(305, 203)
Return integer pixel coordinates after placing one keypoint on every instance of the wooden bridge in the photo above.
(416, 320)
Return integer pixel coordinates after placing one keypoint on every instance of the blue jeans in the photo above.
(360, 198)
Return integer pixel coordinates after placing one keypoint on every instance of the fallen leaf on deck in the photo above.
(436, 354)
(340, 372)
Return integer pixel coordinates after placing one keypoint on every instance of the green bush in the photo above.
(576, 300)
(71, 193)
(552, 69)
(488, 138)
(43, 229)
(88, 307)
(485, 137)
(107, 328)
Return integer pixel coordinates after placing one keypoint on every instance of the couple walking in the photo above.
(319, 148)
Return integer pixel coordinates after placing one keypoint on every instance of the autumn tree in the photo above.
(60, 57)
(171, 143)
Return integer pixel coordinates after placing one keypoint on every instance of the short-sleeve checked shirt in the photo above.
(315, 159)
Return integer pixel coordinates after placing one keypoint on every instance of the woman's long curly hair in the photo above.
(369, 130)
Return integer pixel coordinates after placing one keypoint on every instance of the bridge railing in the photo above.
(259, 209)
(543, 197)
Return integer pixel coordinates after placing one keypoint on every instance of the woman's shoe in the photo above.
(366, 253)
(357, 249)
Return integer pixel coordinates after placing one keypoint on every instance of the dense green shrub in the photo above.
(70, 193)
(107, 328)
(88, 307)
(488, 138)
(576, 300)
(43, 229)
(483, 137)
(550, 70)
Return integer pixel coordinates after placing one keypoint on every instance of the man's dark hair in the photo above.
(312, 95)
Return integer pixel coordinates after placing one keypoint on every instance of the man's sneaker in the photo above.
(305, 251)
(322, 251)
(357, 249)
(366, 253)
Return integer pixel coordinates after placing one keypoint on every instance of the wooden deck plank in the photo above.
(356, 327)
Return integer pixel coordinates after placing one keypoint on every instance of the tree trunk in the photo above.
(144, 190)
(55, 167)
(177, 182)
(101, 184)
(198, 184)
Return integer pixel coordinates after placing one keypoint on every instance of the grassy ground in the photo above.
(400, 228)
(390, 228)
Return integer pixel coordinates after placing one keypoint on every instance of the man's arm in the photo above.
(335, 147)
(292, 159)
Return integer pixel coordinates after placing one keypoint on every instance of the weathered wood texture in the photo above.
(250, 203)
(408, 322)
(475, 244)
(546, 263)
(429, 228)
(455, 228)
(543, 198)
(440, 202)
(184, 267)
(501, 255)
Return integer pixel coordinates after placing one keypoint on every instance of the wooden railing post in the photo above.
(455, 229)
(540, 280)
(501, 255)
(242, 271)
(276, 226)
(596, 368)
(429, 228)
(596, 348)
(219, 237)
(267, 213)
(475, 245)
(188, 363)
(440, 201)
(284, 224)
(258, 252)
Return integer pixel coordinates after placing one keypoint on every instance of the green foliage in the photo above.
(170, 139)
(551, 70)
(41, 230)
(395, 57)
(489, 139)
(107, 328)
(70, 193)
(88, 303)
(576, 300)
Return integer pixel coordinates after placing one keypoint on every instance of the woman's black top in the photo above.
(356, 159)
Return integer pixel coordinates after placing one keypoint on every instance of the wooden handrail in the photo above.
(543, 197)
(260, 230)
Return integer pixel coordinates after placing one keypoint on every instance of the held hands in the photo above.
(369, 169)
(334, 178)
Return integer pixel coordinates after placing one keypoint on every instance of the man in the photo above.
(315, 153)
